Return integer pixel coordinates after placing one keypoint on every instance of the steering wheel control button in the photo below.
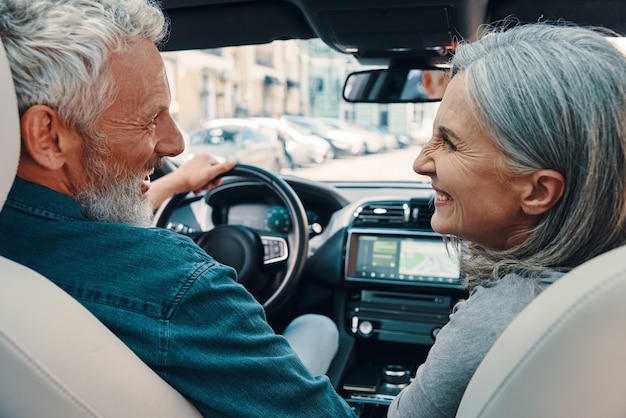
(275, 249)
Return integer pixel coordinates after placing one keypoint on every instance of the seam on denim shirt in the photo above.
(165, 337)
(164, 347)
(38, 211)
(182, 291)
(165, 313)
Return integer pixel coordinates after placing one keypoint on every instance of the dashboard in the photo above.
(251, 204)
(381, 241)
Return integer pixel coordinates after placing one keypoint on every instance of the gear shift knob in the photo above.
(395, 374)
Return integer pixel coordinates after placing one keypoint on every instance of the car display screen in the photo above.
(407, 259)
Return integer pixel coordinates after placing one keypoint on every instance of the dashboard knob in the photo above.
(315, 229)
(366, 328)
(435, 331)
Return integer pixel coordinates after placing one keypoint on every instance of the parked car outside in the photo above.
(243, 140)
(400, 140)
(375, 137)
(301, 147)
(344, 142)
(372, 142)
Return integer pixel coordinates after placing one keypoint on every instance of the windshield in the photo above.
(293, 90)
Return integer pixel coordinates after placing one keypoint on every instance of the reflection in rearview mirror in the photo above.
(395, 85)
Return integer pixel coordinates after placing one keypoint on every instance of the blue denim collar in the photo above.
(43, 201)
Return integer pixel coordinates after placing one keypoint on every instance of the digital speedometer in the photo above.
(277, 219)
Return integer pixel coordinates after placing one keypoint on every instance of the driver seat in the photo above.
(56, 358)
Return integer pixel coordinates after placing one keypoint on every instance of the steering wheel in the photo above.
(269, 264)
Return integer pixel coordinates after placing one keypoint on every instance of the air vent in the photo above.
(421, 212)
(413, 214)
(382, 214)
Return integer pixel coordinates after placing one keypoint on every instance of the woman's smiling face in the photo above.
(476, 198)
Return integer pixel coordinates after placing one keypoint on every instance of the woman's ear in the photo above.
(545, 189)
(40, 127)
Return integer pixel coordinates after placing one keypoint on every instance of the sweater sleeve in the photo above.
(227, 360)
(461, 345)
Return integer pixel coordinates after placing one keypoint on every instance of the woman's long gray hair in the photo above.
(552, 96)
(58, 51)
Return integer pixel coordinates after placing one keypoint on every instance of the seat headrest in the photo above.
(10, 126)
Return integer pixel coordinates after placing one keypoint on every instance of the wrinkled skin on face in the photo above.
(476, 198)
(139, 131)
(109, 175)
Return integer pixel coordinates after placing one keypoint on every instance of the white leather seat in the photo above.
(564, 355)
(56, 359)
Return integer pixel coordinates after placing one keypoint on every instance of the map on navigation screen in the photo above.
(426, 258)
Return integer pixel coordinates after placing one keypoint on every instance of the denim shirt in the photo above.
(179, 310)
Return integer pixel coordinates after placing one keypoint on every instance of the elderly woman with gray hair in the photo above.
(528, 164)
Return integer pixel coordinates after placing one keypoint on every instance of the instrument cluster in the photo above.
(266, 217)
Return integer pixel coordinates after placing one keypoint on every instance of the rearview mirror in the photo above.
(396, 85)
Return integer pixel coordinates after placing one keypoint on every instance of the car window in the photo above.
(197, 138)
(248, 134)
(227, 135)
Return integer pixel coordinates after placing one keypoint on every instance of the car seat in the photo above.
(56, 358)
(564, 355)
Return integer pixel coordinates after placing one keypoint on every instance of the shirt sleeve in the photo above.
(227, 360)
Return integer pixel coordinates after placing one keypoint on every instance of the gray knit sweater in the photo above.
(461, 345)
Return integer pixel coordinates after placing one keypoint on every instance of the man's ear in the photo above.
(40, 126)
(545, 189)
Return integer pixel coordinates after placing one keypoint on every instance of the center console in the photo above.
(401, 284)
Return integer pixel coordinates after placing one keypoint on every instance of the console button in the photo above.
(366, 328)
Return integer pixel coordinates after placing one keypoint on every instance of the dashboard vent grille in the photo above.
(414, 214)
(382, 214)
(421, 212)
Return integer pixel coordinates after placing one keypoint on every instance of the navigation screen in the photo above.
(423, 260)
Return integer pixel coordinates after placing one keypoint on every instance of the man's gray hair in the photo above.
(58, 51)
(553, 96)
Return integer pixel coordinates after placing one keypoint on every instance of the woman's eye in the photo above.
(448, 143)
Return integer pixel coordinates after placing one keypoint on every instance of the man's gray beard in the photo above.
(106, 199)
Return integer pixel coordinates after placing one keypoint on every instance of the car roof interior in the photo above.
(392, 33)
